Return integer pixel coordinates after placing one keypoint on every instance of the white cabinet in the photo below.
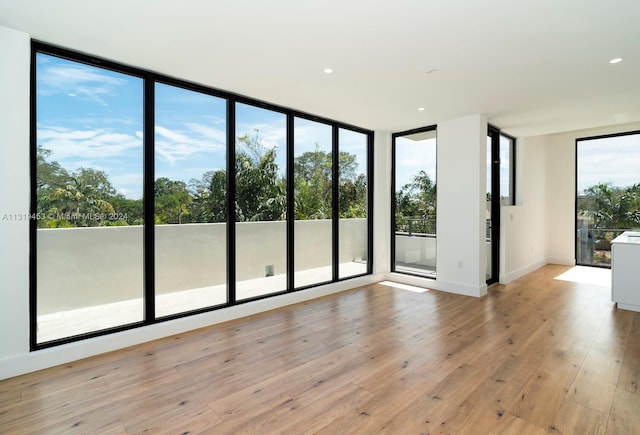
(625, 270)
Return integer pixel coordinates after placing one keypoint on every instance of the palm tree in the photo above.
(611, 207)
(84, 197)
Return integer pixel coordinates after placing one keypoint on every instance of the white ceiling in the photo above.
(532, 66)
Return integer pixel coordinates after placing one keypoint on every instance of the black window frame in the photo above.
(149, 80)
(576, 238)
(394, 136)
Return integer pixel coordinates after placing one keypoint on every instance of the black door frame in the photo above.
(494, 134)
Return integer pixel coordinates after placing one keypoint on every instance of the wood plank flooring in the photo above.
(538, 355)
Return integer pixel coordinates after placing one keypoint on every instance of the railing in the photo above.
(593, 245)
(417, 226)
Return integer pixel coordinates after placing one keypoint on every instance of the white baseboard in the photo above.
(518, 273)
(438, 284)
(562, 261)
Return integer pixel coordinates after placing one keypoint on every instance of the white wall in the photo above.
(382, 202)
(462, 150)
(560, 193)
(14, 193)
(522, 247)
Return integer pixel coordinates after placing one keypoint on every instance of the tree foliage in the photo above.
(172, 201)
(260, 190)
(416, 205)
(72, 199)
(611, 207)
(209, 197)
(313, 186)
(75, 199)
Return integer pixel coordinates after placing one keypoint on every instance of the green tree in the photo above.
(83, 196)
(416, 204)
(313, 186)
(260, 191)
(209, 197)
(353, 197)
(172, 201)
(50, 176)
(611, 207)
(131, 210)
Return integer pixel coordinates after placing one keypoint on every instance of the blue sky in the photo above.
(93, 118)
(415, 154)
(614, 160)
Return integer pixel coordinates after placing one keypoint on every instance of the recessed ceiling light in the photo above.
(616, 60)
(420, 109)
(328, 70)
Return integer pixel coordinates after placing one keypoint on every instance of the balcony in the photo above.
(416, 244)
(92, 278)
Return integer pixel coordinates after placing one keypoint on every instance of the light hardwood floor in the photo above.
(539, 355)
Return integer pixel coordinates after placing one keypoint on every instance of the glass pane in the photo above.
(608, 195)
(261, 202)
(313, 202)
(190, 200)
(352, 188)
(506, 171)
(89, 173)
(415, 208)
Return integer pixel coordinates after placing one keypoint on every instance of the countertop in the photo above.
(632, 237)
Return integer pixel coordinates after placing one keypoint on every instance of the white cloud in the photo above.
(76, 81)
(270, 135)
(215, 135)
(614, 160)
(88, 145)
(173, 145)
(130, 184)
(308, 133)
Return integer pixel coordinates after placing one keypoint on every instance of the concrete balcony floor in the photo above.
(67, 323)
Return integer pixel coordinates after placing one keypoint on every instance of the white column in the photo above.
(14, 193)
(382, 202)
(461, 181)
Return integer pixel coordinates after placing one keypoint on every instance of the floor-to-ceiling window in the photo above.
(313, 192)
(260, 201)
(414, 202)
(607, 194)
(155, 198)
(88, 197)
(353, 190)
(189, 200)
